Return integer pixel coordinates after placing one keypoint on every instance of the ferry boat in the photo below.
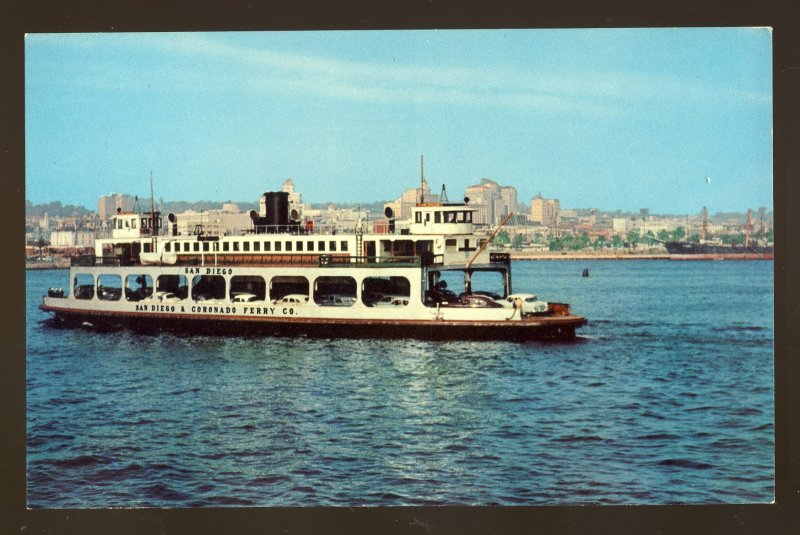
(286, 276)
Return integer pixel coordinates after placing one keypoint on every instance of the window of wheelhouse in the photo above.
(138, 287)
(178, 285)
(380, 291)
(83, 286)
(437, 217)
(167, 247)
(109, 287)
(246, 288)
(280, 287)
(206, 287)
(335, 291)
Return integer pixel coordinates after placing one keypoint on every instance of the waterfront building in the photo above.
(71, 238)
(545, 211)
(410, 197)
(227, 221)
(108, 204)
(492, 201)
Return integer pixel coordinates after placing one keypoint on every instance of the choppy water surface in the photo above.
(666, 398)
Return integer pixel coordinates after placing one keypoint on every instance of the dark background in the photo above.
(18, 17)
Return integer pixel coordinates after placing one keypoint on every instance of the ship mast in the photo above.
(153, 229)
(421, 180)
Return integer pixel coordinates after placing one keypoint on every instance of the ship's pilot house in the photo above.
(133, 230)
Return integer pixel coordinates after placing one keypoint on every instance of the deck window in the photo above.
(288, 246)
(247, 288)
(246, 246)
(298, 246)
(109, 287)
(186, 247)
(83, 286)
(236, 246)
(225, 246)
(172, 287)
(280, 287)
(267, 246)
(277, 246)
(208, 287)
(196, 247)
(335, 291)
(205, 246)
(256, 246)
(332, 246)
(167, 247)
(138, 287)
(385, 291)
(310, 246)
(321, 246)
(344, 246)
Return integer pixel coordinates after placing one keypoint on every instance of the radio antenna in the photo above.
(421, 179)
(152, 212)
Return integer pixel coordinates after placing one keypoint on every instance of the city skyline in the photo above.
(611, 119)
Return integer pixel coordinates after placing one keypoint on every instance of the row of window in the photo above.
(124, 223)
(326, 291)
(258, 246)
(461, 216)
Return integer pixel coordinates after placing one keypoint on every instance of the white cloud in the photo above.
(584, 93)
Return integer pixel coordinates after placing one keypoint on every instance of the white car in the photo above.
(337, 301)
(530, 303)
(291, 299)
(165, 297)
(391, 301)
(244, 298)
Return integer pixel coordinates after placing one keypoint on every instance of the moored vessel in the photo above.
(287, 276)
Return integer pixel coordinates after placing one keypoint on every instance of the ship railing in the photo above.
(426, 259)
(92, 260)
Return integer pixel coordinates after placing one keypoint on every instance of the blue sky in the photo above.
(611, 119)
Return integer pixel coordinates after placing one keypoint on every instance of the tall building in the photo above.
(492, 201)
(545, 211)
(410, 197)
(108, 204)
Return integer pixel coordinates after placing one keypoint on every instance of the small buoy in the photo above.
(585, 272)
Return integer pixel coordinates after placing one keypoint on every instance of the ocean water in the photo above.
(666, 397)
